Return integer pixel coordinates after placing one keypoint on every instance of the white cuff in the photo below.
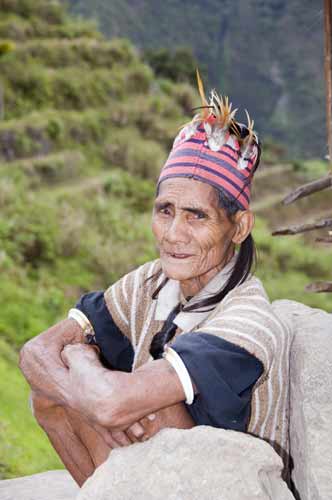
(81, 319)
(174, 359)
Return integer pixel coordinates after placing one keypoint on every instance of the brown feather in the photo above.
(202, 94)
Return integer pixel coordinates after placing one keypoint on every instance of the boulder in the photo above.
(208, 463)
(51, 485)
(310, 399)
(202, 463)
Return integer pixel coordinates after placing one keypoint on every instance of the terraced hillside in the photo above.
(267, 53)
(84, 129)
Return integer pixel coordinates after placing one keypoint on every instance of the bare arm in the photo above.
(176, 416)
(115, 399)
(41, 363)
(48, 376)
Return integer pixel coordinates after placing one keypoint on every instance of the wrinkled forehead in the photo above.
(191, 192)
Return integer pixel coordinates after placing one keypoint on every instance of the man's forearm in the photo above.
(116, 399)
(41, 363)
(176, 416)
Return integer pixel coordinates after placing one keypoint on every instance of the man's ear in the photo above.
(244, 222)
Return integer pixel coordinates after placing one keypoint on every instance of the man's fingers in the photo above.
(106, 435)
(121, 438)
(137, 430)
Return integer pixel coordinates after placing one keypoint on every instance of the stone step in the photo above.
(50, 485)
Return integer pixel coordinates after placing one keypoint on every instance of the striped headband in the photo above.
(215, 149)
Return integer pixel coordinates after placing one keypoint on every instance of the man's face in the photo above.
(193, 234)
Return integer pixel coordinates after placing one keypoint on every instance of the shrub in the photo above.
(6, 46)
(28, 235)
(185, 96)
(53, 168)
(137, 193)
(136, 155)
(41, 133)
(14, 27)
(179, 65)
(52, 11)
(311, 169)
(91, 52)
(139, 79)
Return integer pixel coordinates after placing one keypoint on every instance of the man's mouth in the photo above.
(178, 255)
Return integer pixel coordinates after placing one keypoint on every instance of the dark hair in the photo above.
(246, 258)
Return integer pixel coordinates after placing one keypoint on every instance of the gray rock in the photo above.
(202, 463)
(52, 485)
(207, 463)
(310, 399)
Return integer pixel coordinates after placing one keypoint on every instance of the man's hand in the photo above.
(175, 416)
(116, 400)
(88, 386)
(72, 353)
(41, 363)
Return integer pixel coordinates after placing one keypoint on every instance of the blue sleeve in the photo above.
(224, 375)
(116, 349)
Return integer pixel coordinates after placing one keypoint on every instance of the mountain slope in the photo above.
(84, 130)
(266, 54)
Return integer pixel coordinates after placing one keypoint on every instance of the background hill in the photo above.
(266, 54)
(85, 126)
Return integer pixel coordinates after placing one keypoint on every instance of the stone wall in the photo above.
(203, 463)
(311, 399)
(213, 464)
(51, 485)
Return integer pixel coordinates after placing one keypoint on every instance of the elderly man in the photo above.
(188, 339)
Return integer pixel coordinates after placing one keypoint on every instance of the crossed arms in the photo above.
(59, 367)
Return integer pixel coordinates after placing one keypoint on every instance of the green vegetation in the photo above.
(311, 169)
(266, 55)
(286, 266)
(23, 445)
(85, 128)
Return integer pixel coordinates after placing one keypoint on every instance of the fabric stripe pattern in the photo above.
(192, 157)
(245, 318)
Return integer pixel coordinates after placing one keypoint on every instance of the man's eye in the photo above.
(164, 210)
(200, 215)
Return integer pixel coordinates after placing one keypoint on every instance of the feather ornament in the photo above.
(221, 109)
(218, 119)
(248, 144)
(186, 132)
(205, 111)
(216, 136)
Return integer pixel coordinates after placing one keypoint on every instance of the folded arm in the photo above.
(117, 399)
(43, 366)
(41, 362)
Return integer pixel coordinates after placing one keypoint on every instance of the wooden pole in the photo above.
(328, 77)
(319, 287)
(309, 188)
(304, 227)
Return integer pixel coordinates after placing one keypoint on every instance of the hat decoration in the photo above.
(214, 148)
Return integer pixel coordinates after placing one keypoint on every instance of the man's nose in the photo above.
(177, 231)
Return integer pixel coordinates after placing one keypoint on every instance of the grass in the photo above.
(24, 448)
(311, 169)
(85, 132)
(14, 27)
(83, 51)
(286, 265)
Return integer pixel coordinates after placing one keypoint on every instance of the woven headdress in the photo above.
(216, 149)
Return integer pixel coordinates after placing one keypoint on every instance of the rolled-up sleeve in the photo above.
(224, 375)
(116, 349)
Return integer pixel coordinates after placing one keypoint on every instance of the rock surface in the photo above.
(311, 399)
(52, 485)
(203, 463)
(214, 464)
